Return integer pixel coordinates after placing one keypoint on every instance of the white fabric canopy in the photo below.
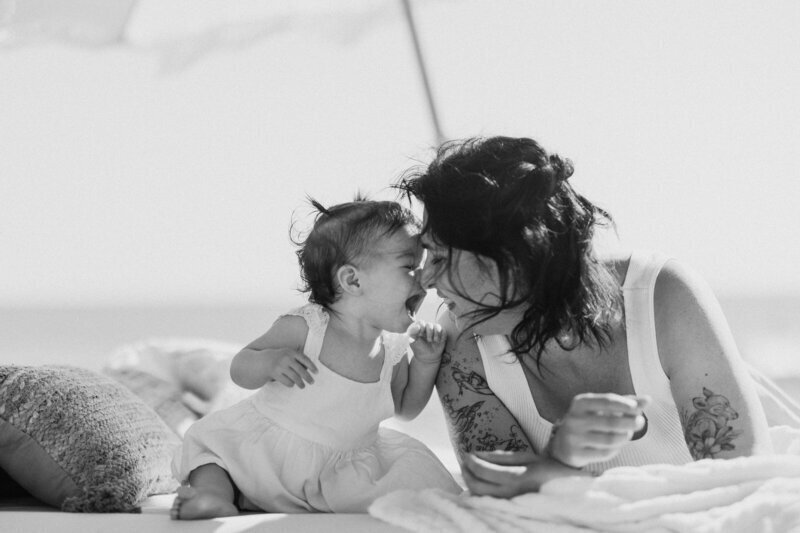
(181, 31)
(183, 28)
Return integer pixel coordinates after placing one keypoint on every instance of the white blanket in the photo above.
(748, 494)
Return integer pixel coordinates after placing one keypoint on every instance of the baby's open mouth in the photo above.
(413, 303)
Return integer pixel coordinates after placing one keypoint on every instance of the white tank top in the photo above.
(335, 411)
(664, 441)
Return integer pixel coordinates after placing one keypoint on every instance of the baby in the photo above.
(328, 373)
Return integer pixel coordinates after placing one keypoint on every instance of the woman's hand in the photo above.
(427, 341)
(508, 474)
(595, 428)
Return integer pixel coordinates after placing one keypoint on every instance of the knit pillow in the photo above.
(80, 441)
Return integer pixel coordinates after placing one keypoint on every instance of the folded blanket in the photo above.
(747, 494)
(197, 369)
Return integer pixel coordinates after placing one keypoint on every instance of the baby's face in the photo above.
(390, 281)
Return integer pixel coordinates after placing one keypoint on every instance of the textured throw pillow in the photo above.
(80, 441)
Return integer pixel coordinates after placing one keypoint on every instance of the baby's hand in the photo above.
(290, 367)
(427, 341)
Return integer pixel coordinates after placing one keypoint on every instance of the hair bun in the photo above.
(539, 181)
(562, 167)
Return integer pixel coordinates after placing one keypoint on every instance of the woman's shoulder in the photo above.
(633, 267)
(676, 285)
(684, 307)
(681, 291)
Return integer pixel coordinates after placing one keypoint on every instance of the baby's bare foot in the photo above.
(193, 504)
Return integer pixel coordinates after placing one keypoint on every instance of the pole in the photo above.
(437, 130)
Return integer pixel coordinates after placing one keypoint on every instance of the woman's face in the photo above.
(466, 282)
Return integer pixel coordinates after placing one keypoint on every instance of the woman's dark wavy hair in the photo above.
(344, 234)
(507, 199)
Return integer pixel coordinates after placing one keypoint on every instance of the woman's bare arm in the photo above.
(716, 399)
(495, 455)
(477, 420)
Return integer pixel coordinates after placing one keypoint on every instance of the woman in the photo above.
(560, 361)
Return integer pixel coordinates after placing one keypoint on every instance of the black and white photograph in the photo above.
(399, 265)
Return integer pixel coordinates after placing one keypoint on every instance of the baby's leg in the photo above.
(210, 494)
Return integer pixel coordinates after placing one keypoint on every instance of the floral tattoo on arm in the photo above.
(706, 430)
(471, 424)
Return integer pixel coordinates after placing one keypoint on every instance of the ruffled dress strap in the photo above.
(395, 347)
(316, 318)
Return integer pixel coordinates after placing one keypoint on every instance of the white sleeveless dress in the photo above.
(315, 449)
(664, 440)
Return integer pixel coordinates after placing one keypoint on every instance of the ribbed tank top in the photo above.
(664, 441)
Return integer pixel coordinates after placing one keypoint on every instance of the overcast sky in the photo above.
(122, 184)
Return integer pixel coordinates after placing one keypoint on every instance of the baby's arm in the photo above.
(277, 355)
(412, 382)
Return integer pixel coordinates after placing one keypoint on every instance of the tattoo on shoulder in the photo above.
(471, 381)
(475, 422)
(464, 418)
(513, 443)
(471, 428)
(706, 430)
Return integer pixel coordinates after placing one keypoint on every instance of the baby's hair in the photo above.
(344, 234)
